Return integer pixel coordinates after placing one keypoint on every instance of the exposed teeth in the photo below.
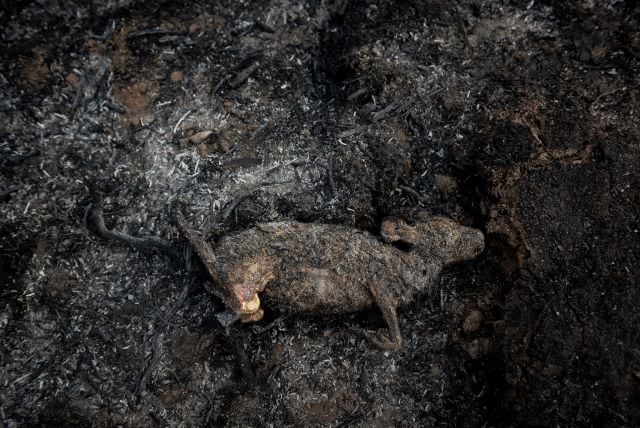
(256, 316)
(251, 306)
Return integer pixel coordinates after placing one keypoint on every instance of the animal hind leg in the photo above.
(392, 339)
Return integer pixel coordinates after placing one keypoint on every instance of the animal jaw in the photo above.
(250, 309)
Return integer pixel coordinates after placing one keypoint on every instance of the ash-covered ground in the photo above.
(517, 118)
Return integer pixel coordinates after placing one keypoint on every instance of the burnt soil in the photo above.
(518, 118)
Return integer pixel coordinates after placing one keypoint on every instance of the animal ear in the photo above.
(397, 231)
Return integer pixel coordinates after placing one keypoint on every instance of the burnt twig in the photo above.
(595, 102)
(271, 325)
(15, 159)
(202, 249)
(413, 193)
(241, 197)
(153, 243)
(243, 361)
(151, 32)
(399, 108)
(8, 191)
(429, 94)
(332, 183)
(79, 94)
(356, 94)
(162, 323)
(245, 162)
(114, 107)
(384, 112)
(244, 75)
(264, 26)
(352, 131)
(219, 85)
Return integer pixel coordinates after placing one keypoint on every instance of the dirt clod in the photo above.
(473, 321)
(176, 76)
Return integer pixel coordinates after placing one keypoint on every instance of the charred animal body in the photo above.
(319, 269)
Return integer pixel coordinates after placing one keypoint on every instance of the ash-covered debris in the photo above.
(516, 119)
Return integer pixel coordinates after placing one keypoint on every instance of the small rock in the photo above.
(73, 80)
(473, 321)
(193, 28)
(34, 72)
(218, 22)
(199, 137)
(277, 352)
(203, 150)
(176, 76)
(171, 397)
(479, 348)
(445, 183)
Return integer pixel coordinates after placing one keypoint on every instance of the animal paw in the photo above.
(383, 341)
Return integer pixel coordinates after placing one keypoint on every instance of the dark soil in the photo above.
(517, 118)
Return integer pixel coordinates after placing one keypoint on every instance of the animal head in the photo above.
(436, 236)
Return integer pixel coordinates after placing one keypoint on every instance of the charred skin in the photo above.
(320, 269)
(312, 269)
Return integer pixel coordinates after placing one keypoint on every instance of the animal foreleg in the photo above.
(392, 339)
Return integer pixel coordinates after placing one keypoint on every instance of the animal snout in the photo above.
(471, 243)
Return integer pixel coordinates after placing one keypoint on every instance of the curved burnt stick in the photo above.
(203, 250)
(148, 243)
(7, 160)
(244, 364)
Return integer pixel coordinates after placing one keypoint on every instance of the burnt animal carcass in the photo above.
(321, 269)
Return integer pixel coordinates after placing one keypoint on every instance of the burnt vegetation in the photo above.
(519, 119)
